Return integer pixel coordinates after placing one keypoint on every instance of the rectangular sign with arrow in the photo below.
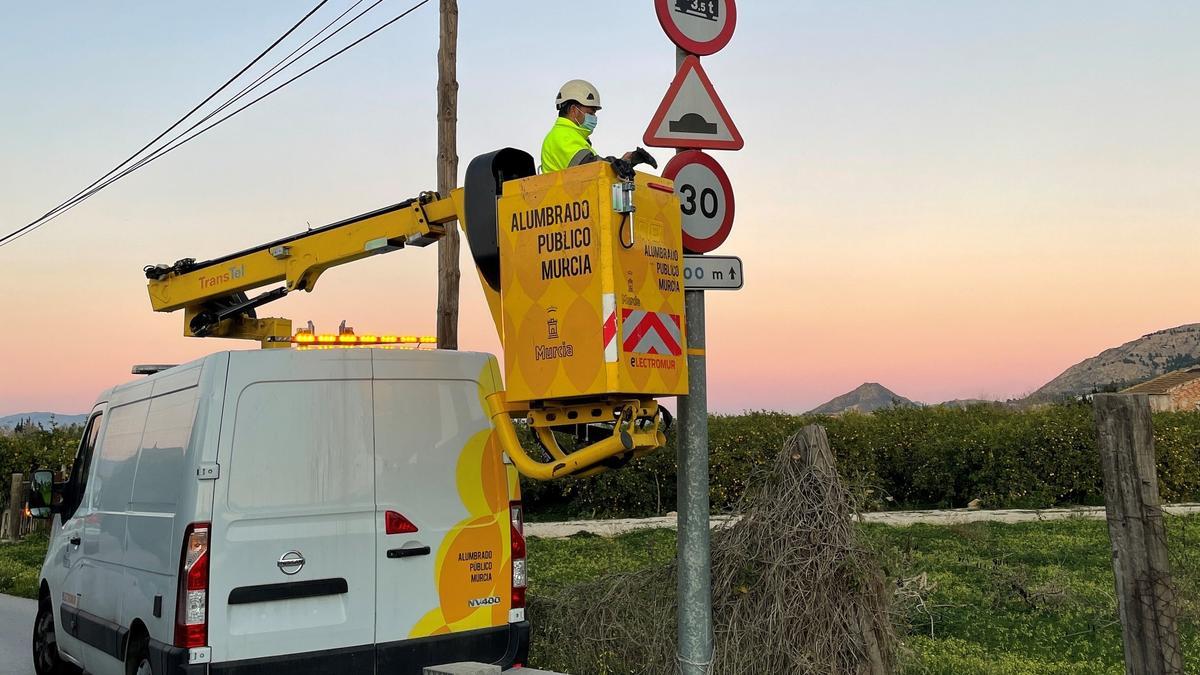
(712, 272)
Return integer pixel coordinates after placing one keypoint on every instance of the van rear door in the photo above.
(293, 551)
(436, 468)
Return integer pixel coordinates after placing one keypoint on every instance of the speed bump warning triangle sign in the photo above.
(691, 115)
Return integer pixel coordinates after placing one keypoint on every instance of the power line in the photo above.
(276, 69)
(173, 144)
(272, 72)
(166, 131)
(168, 148)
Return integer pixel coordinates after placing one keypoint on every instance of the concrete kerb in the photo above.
(612, 528)
(474, 668)
(463, 668)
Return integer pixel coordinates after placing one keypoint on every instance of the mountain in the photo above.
(868, 397)
(42, 418)
(965, 403)
(1133, 362)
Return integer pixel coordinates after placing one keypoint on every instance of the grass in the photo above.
(1026, 597)
(979, 598)
(557, 563)
(20, 565)
(995, 598)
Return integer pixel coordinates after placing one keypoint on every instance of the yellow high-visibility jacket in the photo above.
(566, 145)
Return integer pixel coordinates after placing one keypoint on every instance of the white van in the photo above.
(340, 510)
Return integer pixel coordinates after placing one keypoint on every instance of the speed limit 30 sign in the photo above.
(705, 198)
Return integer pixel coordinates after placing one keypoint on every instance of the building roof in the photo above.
(1163, 384)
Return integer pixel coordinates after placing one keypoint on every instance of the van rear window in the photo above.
(300, 445)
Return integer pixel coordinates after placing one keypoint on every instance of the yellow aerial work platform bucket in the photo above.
(582, 269)
(595, 305)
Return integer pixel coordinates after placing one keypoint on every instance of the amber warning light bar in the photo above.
(308, 340)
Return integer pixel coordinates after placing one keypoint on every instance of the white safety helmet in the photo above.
(578, 90)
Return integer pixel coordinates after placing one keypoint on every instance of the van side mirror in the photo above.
(41, 494)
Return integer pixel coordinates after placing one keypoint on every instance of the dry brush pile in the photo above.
(793, 589)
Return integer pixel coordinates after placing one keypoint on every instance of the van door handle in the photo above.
(74, 540)
(407, 552)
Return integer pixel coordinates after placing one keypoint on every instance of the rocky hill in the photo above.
(964, 403)
(868, 397)
(1133, 362)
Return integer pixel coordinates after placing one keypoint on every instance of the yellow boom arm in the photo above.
(568, 252)
(212, 293)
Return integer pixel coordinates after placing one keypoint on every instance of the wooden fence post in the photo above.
(1145, 594)
(16, 502)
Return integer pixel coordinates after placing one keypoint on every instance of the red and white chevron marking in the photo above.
(610, 328)
(645, 332)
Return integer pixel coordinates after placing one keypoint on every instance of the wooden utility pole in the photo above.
(1145, 594)
(447, 174)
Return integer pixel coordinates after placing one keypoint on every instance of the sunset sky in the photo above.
(956, 200)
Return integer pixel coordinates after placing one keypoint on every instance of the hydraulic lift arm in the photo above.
(576, 274)
(212, 293)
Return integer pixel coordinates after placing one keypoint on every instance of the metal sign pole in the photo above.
(695, 631)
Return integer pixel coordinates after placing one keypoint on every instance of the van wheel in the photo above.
(46, 660)
(137, 658)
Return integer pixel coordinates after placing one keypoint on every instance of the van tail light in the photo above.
(191, 608)
(396, 523)
(517, 515)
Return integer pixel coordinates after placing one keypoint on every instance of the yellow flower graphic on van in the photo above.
(473, 571)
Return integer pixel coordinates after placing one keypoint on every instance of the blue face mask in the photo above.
(589, 121)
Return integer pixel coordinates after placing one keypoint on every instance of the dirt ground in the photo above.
(610, 528)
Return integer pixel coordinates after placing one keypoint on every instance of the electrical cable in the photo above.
(166, 131)
(259, 81)
(276, 69)
(166, 149)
